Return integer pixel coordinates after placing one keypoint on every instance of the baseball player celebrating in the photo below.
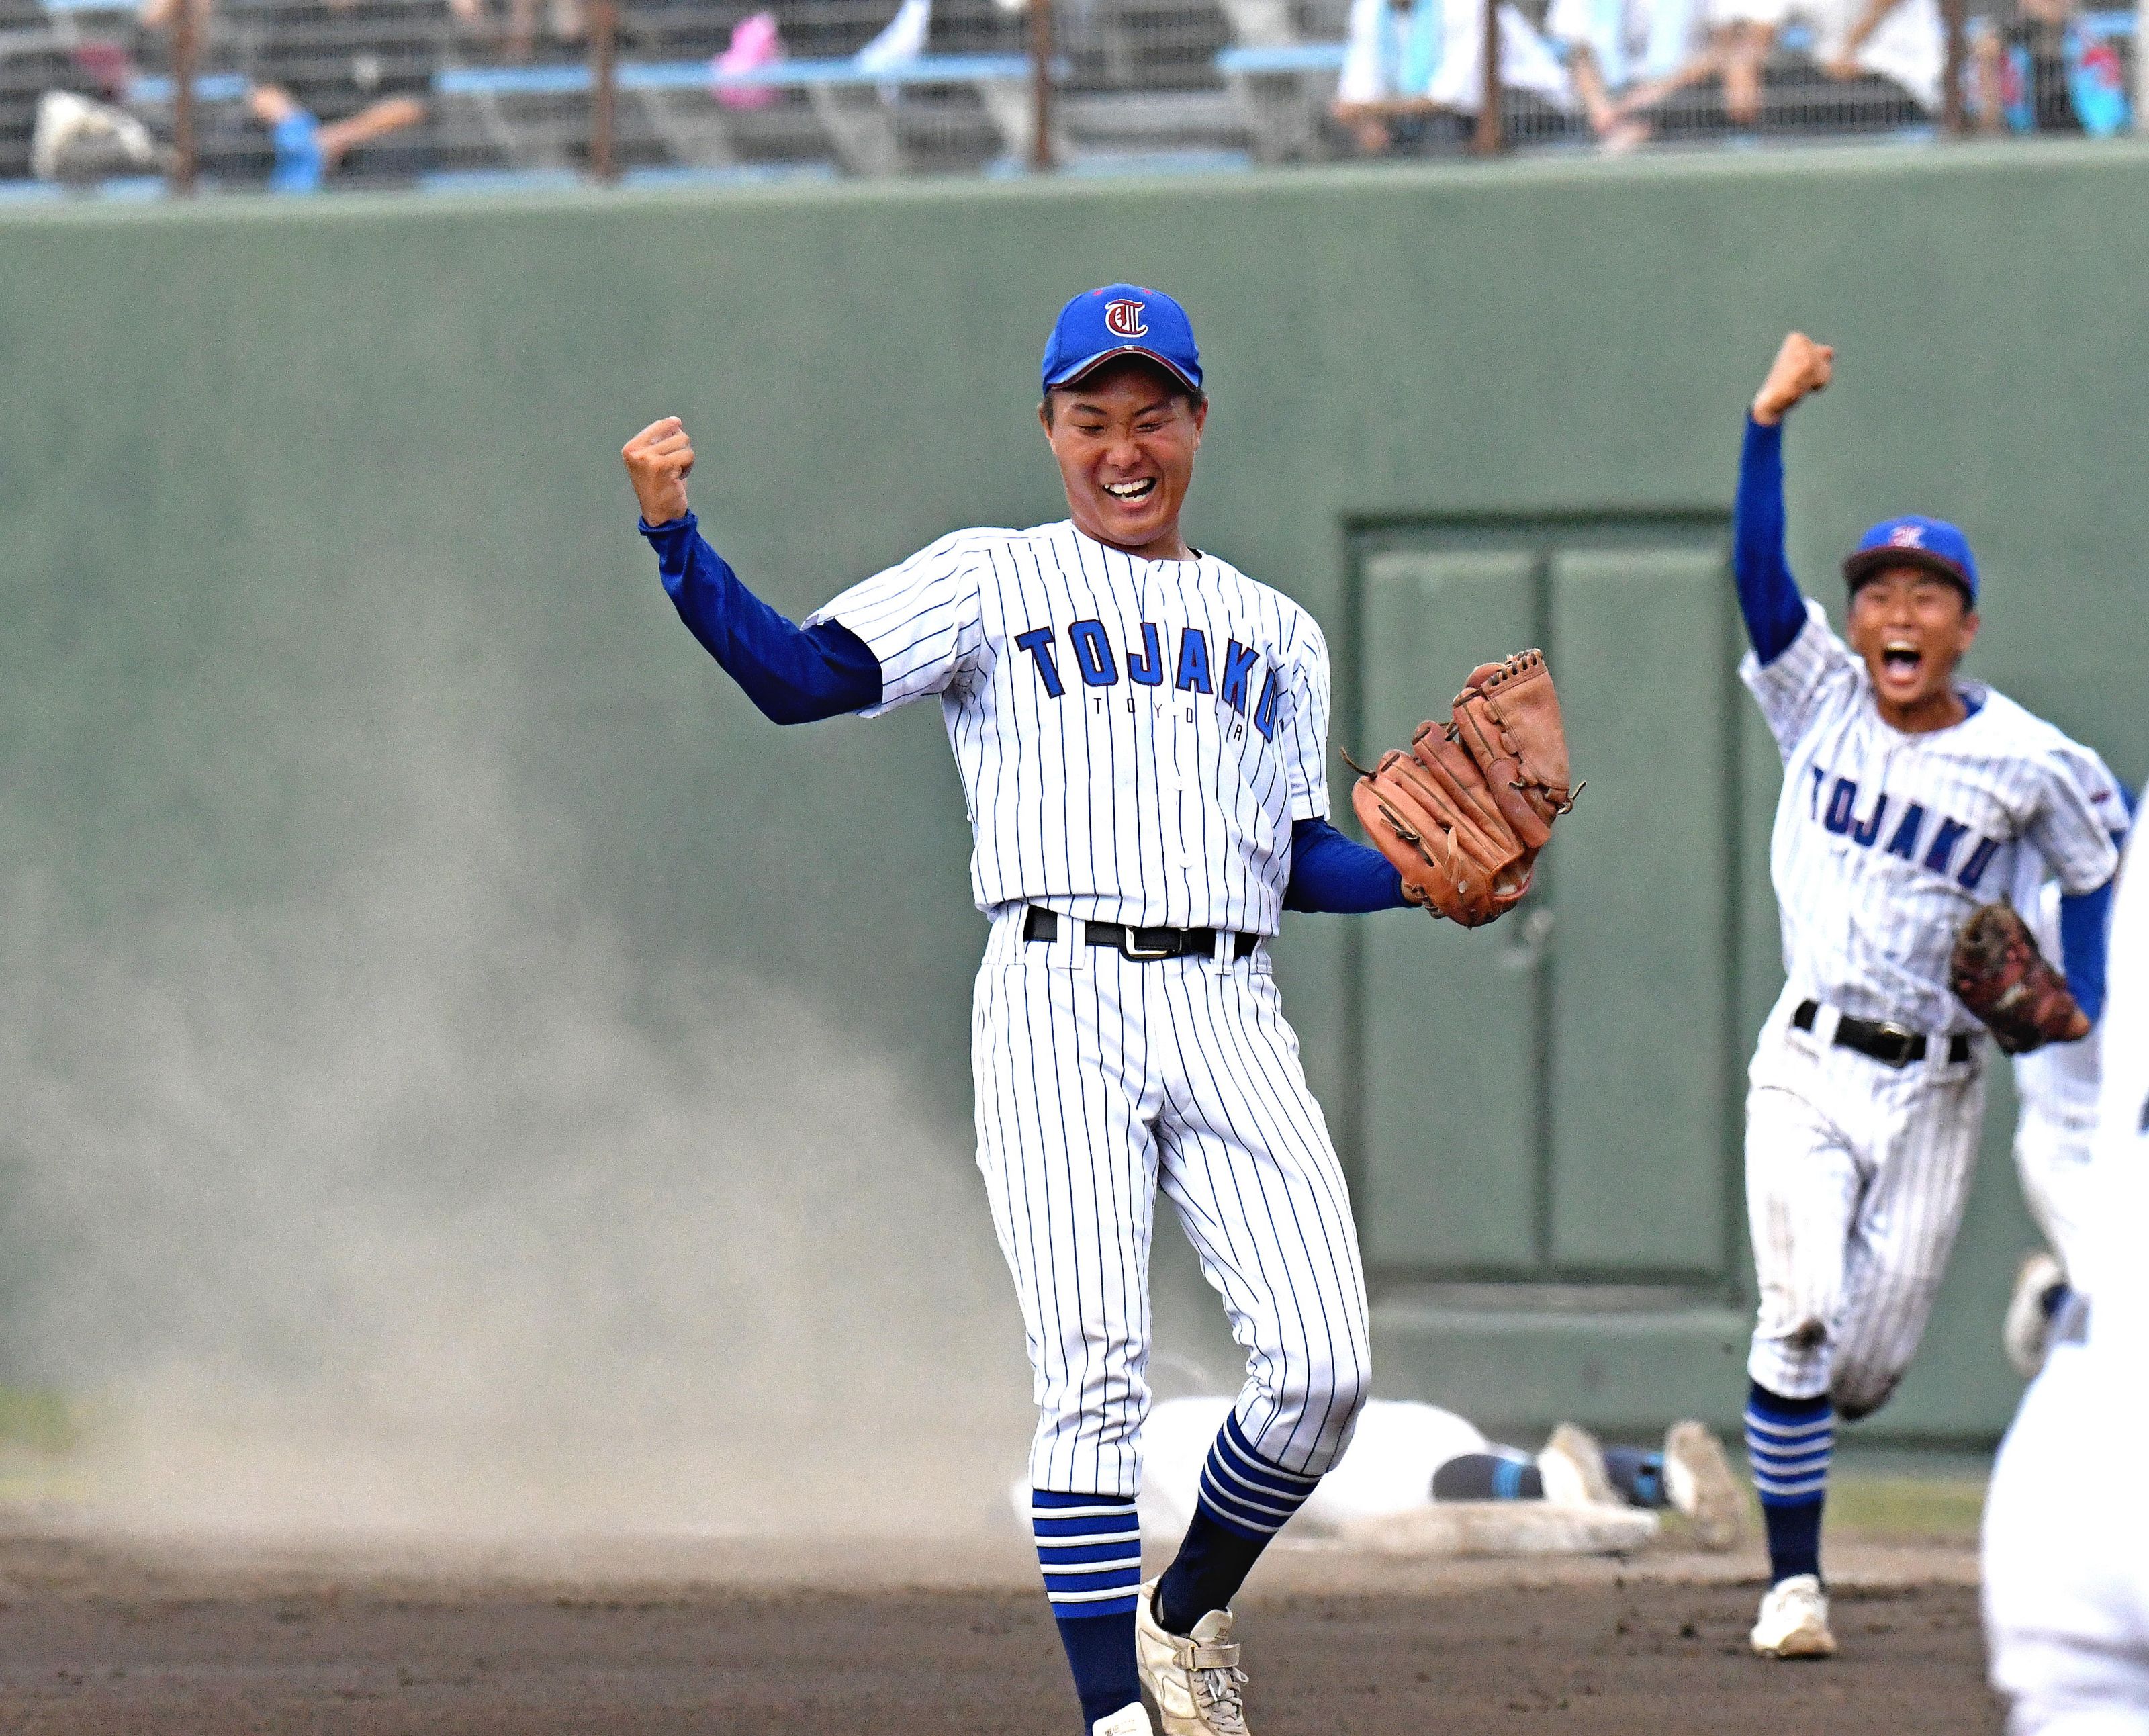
(2057, 1088)
(2066, 1567)
(1909, 798)
(1141, 732)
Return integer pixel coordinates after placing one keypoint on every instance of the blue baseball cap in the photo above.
(1915, 540)
(1121, 319)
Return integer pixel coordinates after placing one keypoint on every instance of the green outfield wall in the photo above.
(318, 556)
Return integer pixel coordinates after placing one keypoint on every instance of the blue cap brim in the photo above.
(1090, 365)
(1860, 566)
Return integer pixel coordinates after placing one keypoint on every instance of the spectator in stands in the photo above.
(61, 92)
(1900, 47)
(1626, 57)
(308, 149)
(1413, 70)
(78, 142)
(1742, 35)
(564, 23)
(1892, 48)
(343, 86)
(2042, 73)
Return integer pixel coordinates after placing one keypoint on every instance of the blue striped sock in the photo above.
(1788, 1441)
(1243, 1502)
(1090, 1546)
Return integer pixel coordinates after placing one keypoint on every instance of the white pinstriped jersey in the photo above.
(1884, 841)
(1136, 737)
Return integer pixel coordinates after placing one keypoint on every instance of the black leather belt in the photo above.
(1139, 945)
(1889, 1044)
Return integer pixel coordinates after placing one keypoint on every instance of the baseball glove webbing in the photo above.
(1463, 812)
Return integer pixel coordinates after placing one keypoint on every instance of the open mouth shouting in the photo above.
(1901, 659)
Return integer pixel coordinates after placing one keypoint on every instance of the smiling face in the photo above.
(1124, 438)
(1912, 627)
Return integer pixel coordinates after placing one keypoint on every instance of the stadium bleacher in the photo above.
(1195, 83)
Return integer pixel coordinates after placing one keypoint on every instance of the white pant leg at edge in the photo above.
(2066, 1554)
(1249, 1166)
(2052, 1157)
(1065, 1103)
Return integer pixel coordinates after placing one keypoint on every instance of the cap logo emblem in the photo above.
(1123, 318)
(1907, 536)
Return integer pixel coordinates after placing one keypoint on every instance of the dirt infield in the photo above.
(98, 1637)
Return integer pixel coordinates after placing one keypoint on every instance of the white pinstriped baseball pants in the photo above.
(2052, 1157)
(1856, 1177)
(1101, 1081)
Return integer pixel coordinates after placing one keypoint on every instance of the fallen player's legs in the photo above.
(1505, 1473)
(1688, 1474)
(1573, 1467)
(1063, 1145)
(1248, 1164)
(2066, 1568)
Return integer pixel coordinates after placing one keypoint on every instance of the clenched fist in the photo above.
(659, 460)
(1801, 366)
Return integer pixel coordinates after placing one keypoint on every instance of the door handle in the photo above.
(1526, 943)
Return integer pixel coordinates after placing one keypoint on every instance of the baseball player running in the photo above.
(1141, 731)
(1909, 798)
(2066, 1566)
(2057, 1088)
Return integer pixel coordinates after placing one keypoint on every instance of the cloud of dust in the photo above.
(409, 1203)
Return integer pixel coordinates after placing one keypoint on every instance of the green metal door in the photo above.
(1456, 1024)
(1591, 1031)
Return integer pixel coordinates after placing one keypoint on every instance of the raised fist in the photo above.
(1801, 366)
(659, 460)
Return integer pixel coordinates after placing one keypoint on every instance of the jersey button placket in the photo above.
(1173, 743)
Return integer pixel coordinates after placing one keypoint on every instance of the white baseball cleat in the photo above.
(1794, 1621)
(1573, 1467)
(1127, 1721)
(1196, 1681)
(1698, 1483)
(2029, 1320)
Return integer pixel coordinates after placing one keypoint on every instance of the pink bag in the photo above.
(755, 43)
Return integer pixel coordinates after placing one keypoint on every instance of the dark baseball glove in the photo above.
(1464, 814)
(1997, 972)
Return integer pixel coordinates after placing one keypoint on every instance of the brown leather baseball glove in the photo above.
(1464, 812)
(1998, 973)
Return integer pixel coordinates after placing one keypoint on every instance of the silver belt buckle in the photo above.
(1132, 948)
(1900, 1034)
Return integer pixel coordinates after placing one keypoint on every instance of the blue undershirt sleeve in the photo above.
(1768, 595)
(1329, 872)
(2085, 924)
(793, 674)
